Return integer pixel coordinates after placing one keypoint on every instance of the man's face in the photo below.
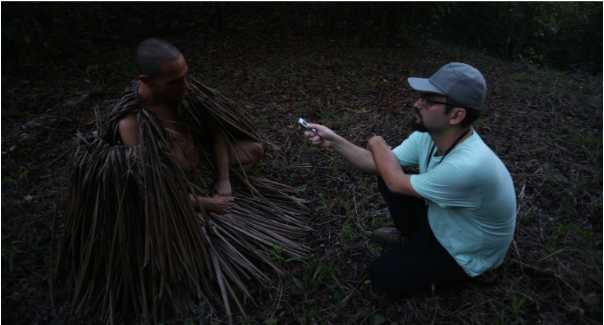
(172, 83)
(429, 113)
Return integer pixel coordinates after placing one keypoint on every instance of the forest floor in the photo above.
(545, 125)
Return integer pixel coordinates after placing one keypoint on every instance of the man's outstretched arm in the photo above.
(360, 158)
(390, 169)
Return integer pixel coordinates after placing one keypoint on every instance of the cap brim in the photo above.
(423, 85)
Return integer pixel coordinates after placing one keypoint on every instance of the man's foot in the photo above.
(389, 237)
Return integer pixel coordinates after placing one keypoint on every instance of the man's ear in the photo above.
(457, 115)
(145, 79)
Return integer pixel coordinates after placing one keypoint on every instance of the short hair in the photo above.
(152, 53)
(471, 114)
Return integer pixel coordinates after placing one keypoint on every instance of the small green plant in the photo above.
(249, 320)
(323, 204)
(277, 257)
(516, 308)
(8, 253)
(311, 318)
(367, 85)
(378, 320)
(324, 277)
(303, 286)
(347, 234)
(383, 222)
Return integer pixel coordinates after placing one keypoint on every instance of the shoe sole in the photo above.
(384, 243)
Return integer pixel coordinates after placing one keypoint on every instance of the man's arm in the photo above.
(360, 158)
(128, 128)
(390, 169)
(221, 150)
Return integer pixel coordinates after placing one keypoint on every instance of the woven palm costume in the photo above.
(133, 240)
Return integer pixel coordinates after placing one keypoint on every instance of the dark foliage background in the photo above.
(564, 35)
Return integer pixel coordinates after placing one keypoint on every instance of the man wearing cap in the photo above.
(456, 218)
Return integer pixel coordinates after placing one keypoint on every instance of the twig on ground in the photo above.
(52, 249)
(59, 157)
(355, 288)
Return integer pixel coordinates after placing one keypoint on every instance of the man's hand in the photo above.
(220, 204)
(223, 187)
(361, 158)
(325, 136)
(377, 142)
(390, 169)
(216, 203)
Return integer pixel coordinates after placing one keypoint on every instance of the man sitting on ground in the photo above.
(163, 84)
(459, 213)
(163, 208)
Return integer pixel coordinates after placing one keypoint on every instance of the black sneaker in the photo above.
(389, 237)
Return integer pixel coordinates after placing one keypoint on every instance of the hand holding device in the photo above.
(304, 126)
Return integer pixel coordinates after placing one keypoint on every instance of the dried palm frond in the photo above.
(133, 240)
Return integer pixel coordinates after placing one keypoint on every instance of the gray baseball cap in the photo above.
(459, 81)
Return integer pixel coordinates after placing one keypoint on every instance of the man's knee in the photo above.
(249, 153)
(255, 151)
(386, 278)
(259, 149)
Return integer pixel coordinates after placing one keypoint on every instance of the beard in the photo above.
(418, 125)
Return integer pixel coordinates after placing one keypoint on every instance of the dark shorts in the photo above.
(418, 263)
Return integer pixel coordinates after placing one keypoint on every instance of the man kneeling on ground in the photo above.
(459, 212)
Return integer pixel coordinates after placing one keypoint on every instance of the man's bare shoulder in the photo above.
(128, 128)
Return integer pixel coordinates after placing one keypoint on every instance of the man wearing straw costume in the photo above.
(164, 208)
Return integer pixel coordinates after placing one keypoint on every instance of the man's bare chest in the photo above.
(180, 137)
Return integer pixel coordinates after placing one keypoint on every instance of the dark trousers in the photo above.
(418, 263)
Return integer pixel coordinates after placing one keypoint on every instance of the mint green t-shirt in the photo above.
(471, 199)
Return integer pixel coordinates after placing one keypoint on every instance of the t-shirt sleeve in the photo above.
(447, 186)
(407, 152)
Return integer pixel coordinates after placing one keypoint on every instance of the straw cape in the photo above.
(133, 240)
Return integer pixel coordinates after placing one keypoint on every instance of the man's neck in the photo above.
(444, 140)
(152, 102)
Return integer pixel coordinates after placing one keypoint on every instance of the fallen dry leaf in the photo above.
(23, 175)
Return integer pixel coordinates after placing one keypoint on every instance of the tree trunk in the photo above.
(529, 18)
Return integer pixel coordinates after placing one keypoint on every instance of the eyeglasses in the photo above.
(427, 101)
